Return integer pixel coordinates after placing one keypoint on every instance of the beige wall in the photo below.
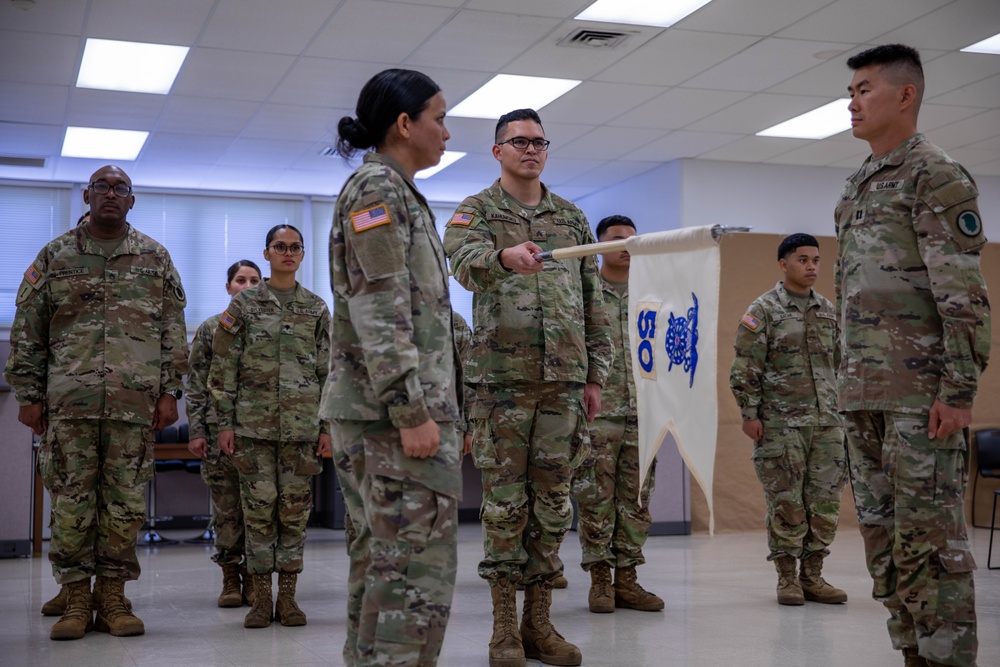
(750, 268)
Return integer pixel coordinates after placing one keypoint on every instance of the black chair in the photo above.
(989, 554)
(987, 462)
(153, 538)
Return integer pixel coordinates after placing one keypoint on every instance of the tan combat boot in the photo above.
(247, 582)
(539, 637)
(601, 597)
(286, 611)
(113, 615)
(259, 615)
(78, 616)
(57, 605)
(912, 659)
(99, 590)
(505, 644)
(231, 595)
(815, 587)
(789, 589)
(630, 595)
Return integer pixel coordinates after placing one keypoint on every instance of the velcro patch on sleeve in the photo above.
(463, 219)
(750, 322)
(227, 321)
(32, 275)
(376, 216)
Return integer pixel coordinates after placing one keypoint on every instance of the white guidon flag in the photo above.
(673, 290)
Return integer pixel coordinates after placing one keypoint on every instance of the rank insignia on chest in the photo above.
(227, 320)
(32, 275)
(750, 322)
(375, 216)
(464, 219)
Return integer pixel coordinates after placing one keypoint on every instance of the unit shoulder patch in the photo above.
(369, 218)
(969, 223)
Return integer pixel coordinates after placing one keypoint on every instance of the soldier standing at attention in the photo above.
(614, 524)
(395, 384)
(217, 469)
(784, 381)
(541, 350)
(916, 322)
(98, 348)
(270, 358)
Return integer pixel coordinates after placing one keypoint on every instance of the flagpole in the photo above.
(589, 249)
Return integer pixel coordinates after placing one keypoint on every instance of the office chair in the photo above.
(988, 465)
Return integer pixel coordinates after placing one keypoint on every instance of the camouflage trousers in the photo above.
(402, 540)
(527, 439)
(803, 471)
(223, 480)
(613, 523)
(276, 495)
(910, 496)
(96, 471)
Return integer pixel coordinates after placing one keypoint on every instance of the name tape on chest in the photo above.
(32, 275)
(502, 217)
(750, 322)
(376, 216)
(463, 219)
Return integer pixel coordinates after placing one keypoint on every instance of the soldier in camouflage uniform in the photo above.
(784, 381)
(98, 348)
(217, 469)
(916, 323)
(393, 393)
(270, 359)
(541, 350)
(614, 522)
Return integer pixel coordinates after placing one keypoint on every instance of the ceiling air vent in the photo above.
(329, 151)
(589, 38)
(18, 161)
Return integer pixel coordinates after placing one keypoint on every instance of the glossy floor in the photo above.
(719, 593)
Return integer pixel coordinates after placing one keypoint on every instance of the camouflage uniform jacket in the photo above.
(548, 327)
(463, 342)
(618, 397)
(98, 337)
(200, 410)
(393, 347)
(784, 370)
(269, 363)
(910, 294)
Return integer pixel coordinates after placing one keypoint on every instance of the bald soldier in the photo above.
(916, 323)
(98, 348)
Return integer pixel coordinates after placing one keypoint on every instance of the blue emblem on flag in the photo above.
(682, 340)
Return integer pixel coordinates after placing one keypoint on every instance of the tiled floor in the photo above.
(719, 593)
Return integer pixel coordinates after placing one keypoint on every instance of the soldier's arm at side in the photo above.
(196, 396)
(323, 366)
(227, 349)
(173, 340)
(748, 369)
(27, 366)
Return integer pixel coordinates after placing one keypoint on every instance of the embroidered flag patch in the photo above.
(464, 219)
(32, 275)
(370, 217)
(227, 320)
(750, 322)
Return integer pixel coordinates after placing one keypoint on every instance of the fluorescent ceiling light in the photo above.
(103, 144)
(130, 66)
(449, 158)
(506, 92)
(662, 13)
(826, 121)
(988, 45)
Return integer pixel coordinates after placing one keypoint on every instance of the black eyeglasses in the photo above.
(521, 143)
(294, 250)
(102, 188)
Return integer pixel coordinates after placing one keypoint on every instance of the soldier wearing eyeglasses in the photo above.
(541, 351)
(98, 348)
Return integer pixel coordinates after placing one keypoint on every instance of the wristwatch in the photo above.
(176, 393)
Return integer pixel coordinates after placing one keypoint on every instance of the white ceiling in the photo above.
(265, 83)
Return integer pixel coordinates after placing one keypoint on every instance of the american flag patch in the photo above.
(464, 219)
(227, 320)
(32, 275)
(750, 322)
(370, 217)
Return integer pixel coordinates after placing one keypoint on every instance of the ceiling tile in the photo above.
(954, 26)
(765, 64)
(396, 30)
(483, 41)
(550, 8)
(560, 171)
(954, 70)
(823, 153)
(322, 82)
(163, 148)
(989, 169)
(970, 156)
(678, 107)
(45, 59)
(79, 170)
(231, 75)
(612, 173)
(263, 25)
(329, 182)
(240, 179)
(206, 116)
(113, 109)
(967, 131)
(33, 102)
(176, 22)
(983, 94)
(432, 3)
(758, 112)
(170, 174)
(597, 102)
(829, 78)
(859, 20)
(60, 18)
(760, 17)
(277, 154)
(470, 134)
(754, 149)
(30, 140)
(675, 56)
(608, 143)
(682, 144)
(933, 116)
(282, 121)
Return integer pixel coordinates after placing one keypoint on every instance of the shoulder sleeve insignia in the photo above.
(464, 219)
(227, 321)
(968, 222)
(750, 322)
(32, 275)
(376, 216)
